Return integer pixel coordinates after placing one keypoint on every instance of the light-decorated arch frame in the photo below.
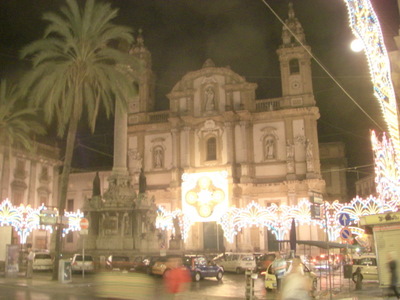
(365, 26)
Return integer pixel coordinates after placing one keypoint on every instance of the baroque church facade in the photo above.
(219, 147)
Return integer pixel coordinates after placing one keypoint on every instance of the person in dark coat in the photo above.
(358, 278)
(392, 264)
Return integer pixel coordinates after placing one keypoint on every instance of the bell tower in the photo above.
(295, 63)
(144, 101)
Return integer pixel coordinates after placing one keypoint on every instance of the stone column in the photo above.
(229, 143)
(120, 141)
(186, 150)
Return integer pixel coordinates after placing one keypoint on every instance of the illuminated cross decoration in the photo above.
(205, 196)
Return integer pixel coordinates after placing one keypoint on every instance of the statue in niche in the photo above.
(158, 157)
(142, 182)
(269, 144)
(209, 98)
(96, 186)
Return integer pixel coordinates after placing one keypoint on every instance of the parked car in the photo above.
(270, 279)
(80, 263)
(263, 261)
(160, 266)
(236, 262)
(42, 262)
(200, 268)
(368, 265)
(324, 263)
(119, 262)
(145, 264)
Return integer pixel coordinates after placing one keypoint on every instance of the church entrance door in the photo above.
(213, 237)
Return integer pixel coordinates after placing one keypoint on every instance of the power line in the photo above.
(321, 65)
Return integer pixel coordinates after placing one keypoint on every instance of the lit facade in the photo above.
(219, 147)
(30, 178)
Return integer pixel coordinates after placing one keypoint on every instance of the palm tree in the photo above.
(75, 67)
(16, 126)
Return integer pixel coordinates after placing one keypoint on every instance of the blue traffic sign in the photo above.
(344, 219)
(345, 233)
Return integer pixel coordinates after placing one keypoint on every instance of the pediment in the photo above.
(209, 70)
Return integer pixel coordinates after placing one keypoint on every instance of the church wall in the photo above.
(240, 142)
(271, 170)
(299, 145)
(236, 100)
(158, 178)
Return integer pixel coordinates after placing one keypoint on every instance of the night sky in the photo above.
(242, 34)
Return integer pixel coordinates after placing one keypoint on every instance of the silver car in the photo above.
(80, 263)
(42, 262)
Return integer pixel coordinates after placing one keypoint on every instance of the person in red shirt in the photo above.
(176, 279)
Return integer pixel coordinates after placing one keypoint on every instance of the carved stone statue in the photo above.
(290, 156)
(269, 147)
(96, 186)
(210, 98)
(177, 228)
(142, 182)
(158, 157)
(309, 156)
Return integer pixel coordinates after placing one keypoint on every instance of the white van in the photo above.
(368, 265)
(237, 262)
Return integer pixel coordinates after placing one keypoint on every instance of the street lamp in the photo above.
(356, 45)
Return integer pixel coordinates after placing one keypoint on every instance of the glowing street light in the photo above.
(357, 45)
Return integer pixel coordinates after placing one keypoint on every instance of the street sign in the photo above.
(344, 219)
(49, 212)
(316, 204)
(84, 223)
(345, 233)
(48, 220)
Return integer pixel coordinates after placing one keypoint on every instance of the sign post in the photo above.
(345, 233)
(344, 219)
(84, 223)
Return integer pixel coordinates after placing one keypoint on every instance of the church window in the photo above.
(158, 157)
(17, 197)
(20, 169)
(70, 205)
(211, 149)
(294, 66)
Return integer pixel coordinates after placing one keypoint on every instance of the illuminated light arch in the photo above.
(387, 170)
(74, 221)
(365, 26)
(165, 221)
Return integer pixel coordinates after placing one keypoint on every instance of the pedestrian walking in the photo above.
(279, 268)
(392, 264)
(295, 285)
(357, 278)
(176, 279)
(29, 262)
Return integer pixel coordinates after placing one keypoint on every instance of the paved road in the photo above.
(232, 287)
